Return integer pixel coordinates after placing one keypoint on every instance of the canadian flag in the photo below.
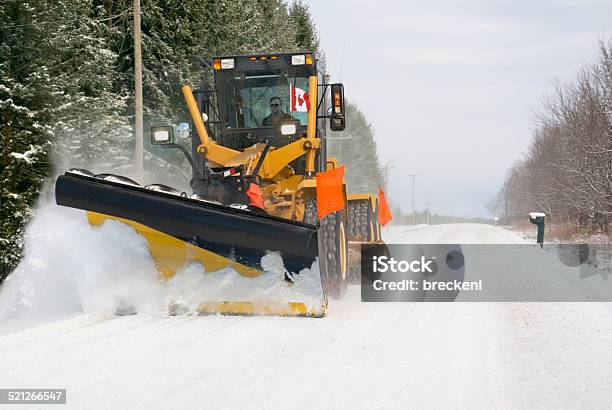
(299, 99)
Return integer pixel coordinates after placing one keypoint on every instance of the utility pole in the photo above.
(413, 176)
(138, 151)
(506, 204)
(386, 168)
(428, 204)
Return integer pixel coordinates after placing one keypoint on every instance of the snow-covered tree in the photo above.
(356, 147)
(567, 171)
(24, 132)
(306, 37)
(88, 113)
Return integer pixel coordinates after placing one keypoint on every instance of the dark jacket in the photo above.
(283, 118)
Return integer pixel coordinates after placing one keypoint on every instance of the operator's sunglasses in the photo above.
(275, 105)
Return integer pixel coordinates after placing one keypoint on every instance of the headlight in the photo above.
(288, 129)
(227, 63)
(298, 59)
(161, 136)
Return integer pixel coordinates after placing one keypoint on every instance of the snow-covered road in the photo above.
(363, 355)
(451, 233)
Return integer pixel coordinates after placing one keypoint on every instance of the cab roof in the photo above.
(271, 61)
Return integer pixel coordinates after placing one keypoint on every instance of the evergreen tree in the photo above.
(356, 147)
(88, 112)
(306, 37)
(24, 135)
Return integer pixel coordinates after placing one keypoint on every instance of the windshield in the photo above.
(263, 99)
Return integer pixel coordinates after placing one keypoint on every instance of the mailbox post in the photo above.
(537, 218)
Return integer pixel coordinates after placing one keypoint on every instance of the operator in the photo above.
(277, 116)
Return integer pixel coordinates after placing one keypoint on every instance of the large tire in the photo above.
(310, 212)
(377, 227)
(333, 249)
(362, 222)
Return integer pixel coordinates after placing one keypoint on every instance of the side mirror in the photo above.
(337, 119)
(537, 218)
(162, 135)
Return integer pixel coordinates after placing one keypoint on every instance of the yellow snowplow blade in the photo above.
(172, 255)
(266, 309)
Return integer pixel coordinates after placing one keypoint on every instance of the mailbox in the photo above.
(537, 218)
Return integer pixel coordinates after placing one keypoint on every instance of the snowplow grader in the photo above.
(262, 184)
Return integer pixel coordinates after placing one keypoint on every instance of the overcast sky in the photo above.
(450, 87)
